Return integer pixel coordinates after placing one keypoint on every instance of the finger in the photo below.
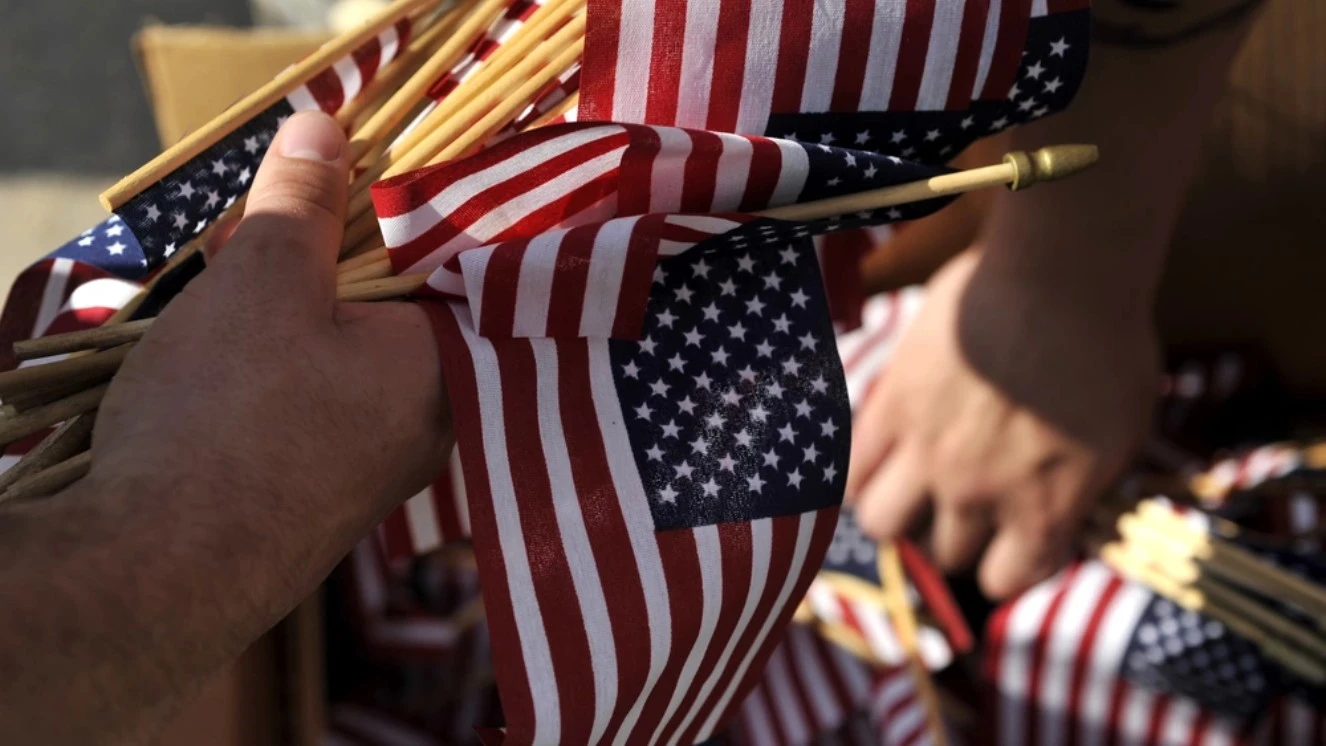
(960, 532)
(1023, 553)
(894, 498)
(219, 236)
(285, 247)
(872, 439)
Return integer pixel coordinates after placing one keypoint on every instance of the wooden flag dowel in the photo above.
(894, 578)
(1134, 568)
(385, 289)
(362, 259)
(1237, 563)
(384, 86)
(71, 371)
(374, 271)
(256, 102)
(535, 31)
(1179, 567)
(27, 423)
(562, 107)
(26, 401)
(67, 440)
(1019, 171)
(359, 230)
(87, 339)
(438, 64)
(511, 106)
(51, 480)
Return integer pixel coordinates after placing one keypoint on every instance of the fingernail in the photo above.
(312, 136)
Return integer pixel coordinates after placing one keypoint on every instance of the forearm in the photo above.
(120, 599)
(1101, 236)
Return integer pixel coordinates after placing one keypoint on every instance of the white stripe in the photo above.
(52, 296)
(732, 173)
(603, 280)
(301, 99)
(810, 672)
(534, 288)
(824, 602)
(933, 648)
(1024, 622)
(1039, 8)
(352, 80)
(757, 718)
(988, 43)
(879, 634)
(1298, 721)
(805, 527)
(575, 537)
(639, 522)
(710, 554)
(1303, 513)
(458, 493)
(697, 63)
(401, 229)
(941, 55)
(418, 119)
(635, 44)
(435, 634)
(667, 181)
(761, 548)
(875, 313)
(389, 44)
(852, 672)
(1105, 658)
(474, 269)
(368, 579)
(826, 30)
(421, 521)
(1179, 721)
(792, 175)
(896, 688)
(782, 690)
(882, 59)
(1135, 715)
(757, 84)
(528, 616)
(907, 721)
(1082, 598)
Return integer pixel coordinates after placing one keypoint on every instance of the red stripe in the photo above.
(396, 542)
(448, 512)
(21, 308)
(853, 51)
(637, 278)
(840, 267)
(665, 62)
(600, 59)
(729, 65)
(701, 172)
(935, 594)
(766, 166)
(327, 91)
(968, 58)
(568, 640)
(567, 296)
(1119, 691)
(368, 58)
(775, 722)
(1082, 657)
(500, 280)
(637, 170)
(681, 569)
(793, 55)
(782, 656)
(508, 662)
(605, 524)
(828, 662)
(1010, 42)
(876, 337)
(1200, 726)
(1159, 715)
(912, 50)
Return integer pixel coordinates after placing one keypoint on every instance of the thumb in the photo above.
(285, 248)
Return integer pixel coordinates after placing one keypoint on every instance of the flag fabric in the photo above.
(437, 516)
(915, 78)
(1066, 662)
(170, 213)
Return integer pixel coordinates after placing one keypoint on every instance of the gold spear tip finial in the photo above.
(1050, 163)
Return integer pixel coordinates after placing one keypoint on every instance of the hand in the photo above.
(1008, 407)
(255, 377)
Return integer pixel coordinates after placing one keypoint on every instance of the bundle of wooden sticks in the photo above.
(1195, 568)
(394, 127)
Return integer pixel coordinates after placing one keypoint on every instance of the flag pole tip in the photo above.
(1049, 163)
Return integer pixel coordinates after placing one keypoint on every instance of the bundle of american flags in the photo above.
(643, 541)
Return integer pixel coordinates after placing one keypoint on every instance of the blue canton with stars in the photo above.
(1052, 66)
(734, 397)
(108, 246)
(173, 211)
(851, 552)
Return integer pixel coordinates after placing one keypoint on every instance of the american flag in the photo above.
(1065, 657)
(916, 78)
(167, 215)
